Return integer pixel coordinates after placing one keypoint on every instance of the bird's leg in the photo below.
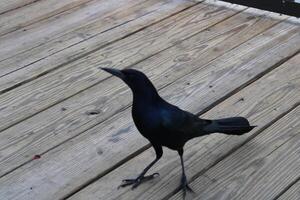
(183, 185)
(141, 177)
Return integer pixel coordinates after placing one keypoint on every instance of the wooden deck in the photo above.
(65, 126)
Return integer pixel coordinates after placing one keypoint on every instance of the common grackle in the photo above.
(164, 124)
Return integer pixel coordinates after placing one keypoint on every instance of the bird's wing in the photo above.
(177, 120)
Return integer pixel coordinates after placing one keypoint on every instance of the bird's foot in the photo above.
(185, 187)
(136, 182)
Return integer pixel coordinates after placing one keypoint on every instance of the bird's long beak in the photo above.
(115, 72)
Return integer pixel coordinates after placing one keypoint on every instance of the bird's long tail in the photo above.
(230, 126)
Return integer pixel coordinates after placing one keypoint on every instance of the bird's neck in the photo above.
(146, 96)
(144, 92)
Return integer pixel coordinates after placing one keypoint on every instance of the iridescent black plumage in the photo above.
(164, 124)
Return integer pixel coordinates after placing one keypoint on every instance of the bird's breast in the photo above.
(146, 120)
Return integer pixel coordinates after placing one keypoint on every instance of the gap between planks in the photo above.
(76, 58)
(81, 87)
(265, 127)
(167, 84)
(262, 55)
(40, 34)
(290, 193)
(232, 101)
(236, 148)
(235, 188)
(12, 83)
(206, 110)
(14, 6)
(8, 28)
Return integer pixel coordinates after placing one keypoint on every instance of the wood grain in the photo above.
(69, 41)
(54, 87)
(293, 193)
(18, 19)
(263, 101)
(260, 169)
(9, 5)
(47, 31)
(71, 117)
(67, 167)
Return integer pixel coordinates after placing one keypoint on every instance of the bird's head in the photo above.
(136, 80)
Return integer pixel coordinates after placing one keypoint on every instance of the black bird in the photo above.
(164, 124)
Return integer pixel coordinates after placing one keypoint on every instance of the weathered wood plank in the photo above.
(261, 102)
(48, 31)
(110, 96)
(293, 193)
(32, 13)
(92, 14)
(43, 55)
(8, 5)
(39, 94)
(64, 169)
(260, 169)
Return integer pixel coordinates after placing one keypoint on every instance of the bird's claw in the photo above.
(136, 182)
